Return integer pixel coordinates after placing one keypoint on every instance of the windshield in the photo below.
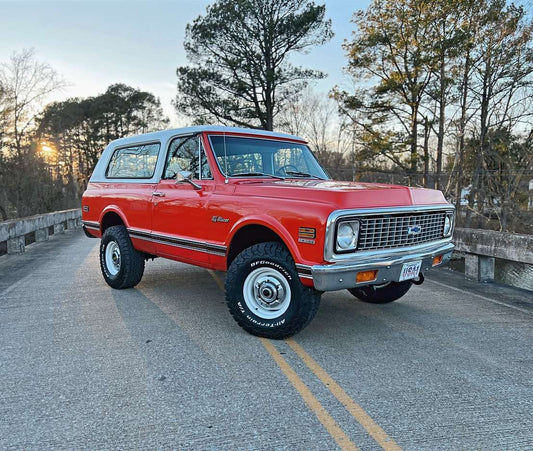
(251, 157)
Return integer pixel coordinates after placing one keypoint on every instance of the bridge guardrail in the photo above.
(481, 247)
(17, 233)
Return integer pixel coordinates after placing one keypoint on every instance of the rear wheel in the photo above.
(122, 266)
(381, 294)
(264, 293)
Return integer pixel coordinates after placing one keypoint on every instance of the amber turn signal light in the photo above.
(366, 276)
(437, 260)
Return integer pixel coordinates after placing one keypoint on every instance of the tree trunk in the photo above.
(462, 130)
(427, 130)
(478, 189)
(413, 166)
(442, 113)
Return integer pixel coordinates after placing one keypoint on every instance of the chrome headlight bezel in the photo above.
(346, 236)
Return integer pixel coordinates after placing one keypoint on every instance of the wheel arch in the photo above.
(255, 231)
(111, 216)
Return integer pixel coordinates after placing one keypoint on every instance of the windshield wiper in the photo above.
(303, 174)
(255, 174)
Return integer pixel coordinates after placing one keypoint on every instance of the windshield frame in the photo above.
(303, 144)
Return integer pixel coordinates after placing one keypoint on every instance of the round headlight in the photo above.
(448, 222)
(347, 235)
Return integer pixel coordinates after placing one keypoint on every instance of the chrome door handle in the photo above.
(158, 194)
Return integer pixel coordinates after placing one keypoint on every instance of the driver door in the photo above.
(179, 212)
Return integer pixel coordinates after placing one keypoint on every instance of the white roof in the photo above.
(164, 135)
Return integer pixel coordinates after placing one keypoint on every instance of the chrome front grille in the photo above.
(400, 230)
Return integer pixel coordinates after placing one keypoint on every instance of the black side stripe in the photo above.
(304, 271)
(91, 224)
(200, 246)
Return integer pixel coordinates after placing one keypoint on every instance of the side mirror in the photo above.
(186, 177)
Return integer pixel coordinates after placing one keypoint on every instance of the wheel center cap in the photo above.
(269, 292)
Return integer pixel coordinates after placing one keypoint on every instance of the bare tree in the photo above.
(26, 183)
(315, 117)
(25, 84)
(4, 113)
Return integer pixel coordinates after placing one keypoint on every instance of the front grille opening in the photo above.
(400, 230)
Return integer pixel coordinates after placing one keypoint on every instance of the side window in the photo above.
(135, 162)
(184, 155)
(204, 165)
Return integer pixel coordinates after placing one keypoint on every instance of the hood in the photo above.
(343, 195)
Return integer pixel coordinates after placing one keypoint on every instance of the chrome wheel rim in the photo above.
(112, 258)
(267, 293)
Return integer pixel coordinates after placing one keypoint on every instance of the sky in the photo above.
(96, 43)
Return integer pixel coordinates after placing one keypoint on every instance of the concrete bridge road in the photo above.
(164, 365)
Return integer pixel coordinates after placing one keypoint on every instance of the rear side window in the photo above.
(135, 162)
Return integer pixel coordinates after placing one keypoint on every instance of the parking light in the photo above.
(366, 276)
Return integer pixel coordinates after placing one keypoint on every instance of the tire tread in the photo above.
(132, 261)
(275, 251)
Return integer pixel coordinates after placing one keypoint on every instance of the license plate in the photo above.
(410, 270)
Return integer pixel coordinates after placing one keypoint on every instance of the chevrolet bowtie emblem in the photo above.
(414, 230)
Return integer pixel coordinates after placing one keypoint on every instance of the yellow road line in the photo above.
(375, 431)
(216, 279)
(312, 402)
(323, 416)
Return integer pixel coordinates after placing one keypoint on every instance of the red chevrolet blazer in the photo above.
(258, 205)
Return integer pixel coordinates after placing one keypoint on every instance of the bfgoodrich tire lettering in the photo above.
(381, 294)
(264, 293)
(122, 266)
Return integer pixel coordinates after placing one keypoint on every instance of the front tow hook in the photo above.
(420, 279)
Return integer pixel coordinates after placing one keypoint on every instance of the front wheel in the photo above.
(264, 293)
(381, 294)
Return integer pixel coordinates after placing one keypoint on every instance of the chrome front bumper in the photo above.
(339, 276)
